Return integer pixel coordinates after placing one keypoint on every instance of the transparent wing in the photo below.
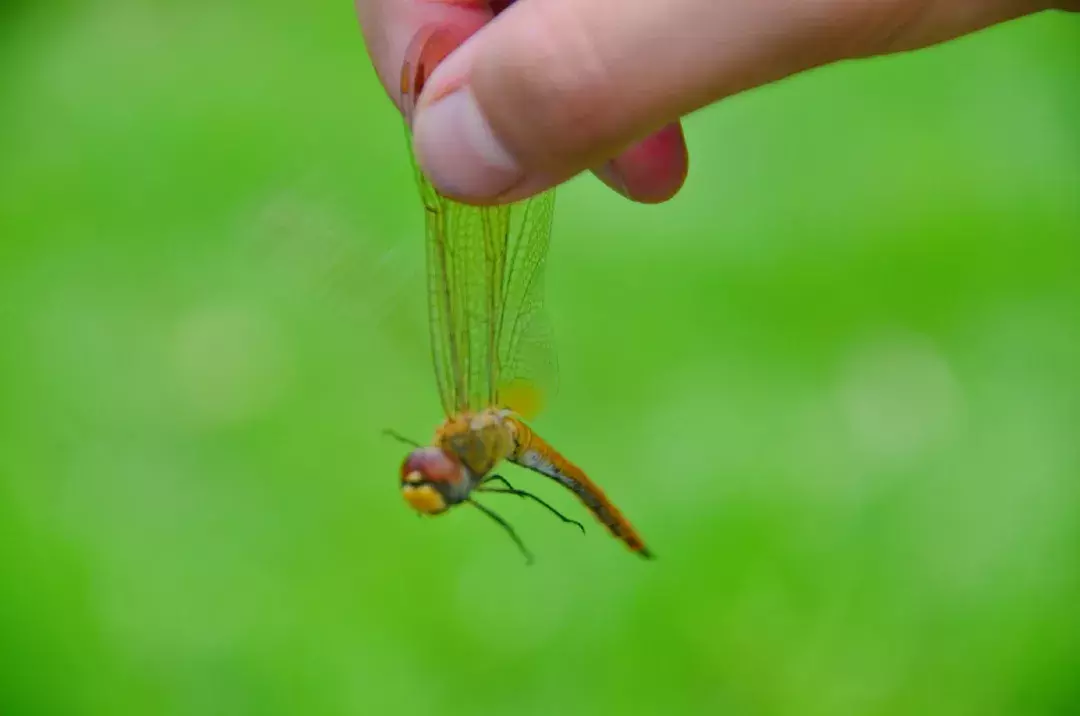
(463, 247)
(490, 341)
(528, 369)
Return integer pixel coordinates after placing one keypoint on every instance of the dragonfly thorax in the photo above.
(479, 441)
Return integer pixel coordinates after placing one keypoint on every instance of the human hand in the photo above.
(550, 88)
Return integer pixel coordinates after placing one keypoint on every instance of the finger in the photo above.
(389, 26)
(652, 170)
(919, 24)
(551, 87)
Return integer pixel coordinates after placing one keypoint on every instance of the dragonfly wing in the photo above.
(528, 369)
(466, 250)
(449, 344)
(490, 340)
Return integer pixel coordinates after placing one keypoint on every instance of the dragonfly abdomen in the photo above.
(536, 454)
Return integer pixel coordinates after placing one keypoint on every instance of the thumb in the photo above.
(552, 87)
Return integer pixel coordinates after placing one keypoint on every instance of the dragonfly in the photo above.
(492, 352)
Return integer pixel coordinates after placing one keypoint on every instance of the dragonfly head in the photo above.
(429, 476)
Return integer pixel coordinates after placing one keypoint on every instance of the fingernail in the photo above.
(609, 173)
(458, 151)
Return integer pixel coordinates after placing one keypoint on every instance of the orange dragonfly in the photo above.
(491, 349)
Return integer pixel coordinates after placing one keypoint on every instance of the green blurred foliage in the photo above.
(836, 384)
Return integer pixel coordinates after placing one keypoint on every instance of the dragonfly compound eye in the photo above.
(427, 476)
(432, 464)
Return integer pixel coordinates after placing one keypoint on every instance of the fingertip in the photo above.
(429, 46)
(651, 171)
(655, 169)
(391, 29)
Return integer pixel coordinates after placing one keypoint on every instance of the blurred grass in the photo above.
(835, 383)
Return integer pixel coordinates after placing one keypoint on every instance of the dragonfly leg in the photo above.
(506, 526)
(400, 438)
(497, 478)
(522, 493)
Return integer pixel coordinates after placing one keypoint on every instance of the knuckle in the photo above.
(544, 88)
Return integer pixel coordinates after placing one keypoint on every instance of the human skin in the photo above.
(550, 88)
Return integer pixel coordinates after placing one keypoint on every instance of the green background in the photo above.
(835, 383)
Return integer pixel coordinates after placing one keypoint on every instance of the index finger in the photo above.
(389, 27)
